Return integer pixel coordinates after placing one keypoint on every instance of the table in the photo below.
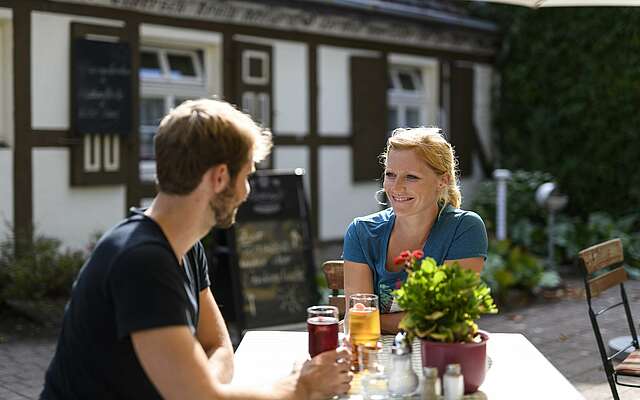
(517, 369)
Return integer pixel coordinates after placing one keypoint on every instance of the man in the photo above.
(142, 322)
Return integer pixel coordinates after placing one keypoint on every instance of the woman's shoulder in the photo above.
(377, 218)
(373, 222)
(461, 216)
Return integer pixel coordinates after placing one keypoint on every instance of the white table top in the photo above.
(517, 369)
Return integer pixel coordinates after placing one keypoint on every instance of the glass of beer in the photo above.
(364, 322)
(322, 325)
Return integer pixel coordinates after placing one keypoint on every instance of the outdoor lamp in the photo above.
(549, 197)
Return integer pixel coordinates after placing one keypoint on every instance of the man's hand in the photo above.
(322, 377)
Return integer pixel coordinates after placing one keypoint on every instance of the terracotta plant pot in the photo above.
(472, 357)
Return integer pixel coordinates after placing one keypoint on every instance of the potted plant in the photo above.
(441, 304)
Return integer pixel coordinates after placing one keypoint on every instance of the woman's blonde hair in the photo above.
(430, 145)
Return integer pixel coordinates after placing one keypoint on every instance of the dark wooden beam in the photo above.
(314, 175)
(22, 171)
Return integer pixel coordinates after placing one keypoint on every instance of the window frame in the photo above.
(169, 89)
(401, 99)
(165, 68)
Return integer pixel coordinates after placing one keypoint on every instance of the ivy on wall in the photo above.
(569, 100)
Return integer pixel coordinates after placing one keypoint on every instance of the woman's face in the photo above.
(411, 185)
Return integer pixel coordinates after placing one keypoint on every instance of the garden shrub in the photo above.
(567, 100)
(46, 271)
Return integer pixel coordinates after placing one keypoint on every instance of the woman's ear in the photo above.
(445, 180)
(219, 177)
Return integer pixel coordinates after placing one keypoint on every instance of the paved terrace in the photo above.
(560, 329)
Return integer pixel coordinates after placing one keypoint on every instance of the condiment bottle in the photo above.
(431, 386)
(402, 379)
(453, 382)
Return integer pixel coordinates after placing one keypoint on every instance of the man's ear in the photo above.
(219, 177)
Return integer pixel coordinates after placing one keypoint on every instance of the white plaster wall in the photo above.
(6, 192)
(50, 45)
(292, 157)
(482, 119)
(334, 89)
(6, 77)
(340, 200)
(290, 88)
(70, 214)
(482, 83)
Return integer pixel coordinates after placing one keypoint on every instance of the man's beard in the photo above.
(224, 208)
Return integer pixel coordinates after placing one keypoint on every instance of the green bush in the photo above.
(45, 271)
(525, 219)
(572, 235)
(509, 267)
(567, 101)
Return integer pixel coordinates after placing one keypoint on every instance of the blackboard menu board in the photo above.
(273, 260)
(101, 87)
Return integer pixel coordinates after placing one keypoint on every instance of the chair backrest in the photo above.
(334, 273)
(592, 260)
(603, 255)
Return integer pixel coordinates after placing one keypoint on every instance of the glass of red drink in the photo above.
(322, 325)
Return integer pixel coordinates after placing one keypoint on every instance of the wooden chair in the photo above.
(593, 259)
(334, 273)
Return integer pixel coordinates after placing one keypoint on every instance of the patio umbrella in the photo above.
(567, 3)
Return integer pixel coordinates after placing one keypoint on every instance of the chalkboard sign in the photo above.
(272, 253)
(101, 86)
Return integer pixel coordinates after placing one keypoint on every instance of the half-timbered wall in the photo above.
(311, 103)
(68, 213)
(340, 199)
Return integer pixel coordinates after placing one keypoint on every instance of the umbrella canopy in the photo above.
(567, 3)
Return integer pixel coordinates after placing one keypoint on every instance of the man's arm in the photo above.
(212, 335)
(176, 364)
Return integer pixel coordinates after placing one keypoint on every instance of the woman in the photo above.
(420, 183)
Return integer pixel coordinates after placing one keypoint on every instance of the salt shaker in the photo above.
(402, 379)
(431, 386)
(453, 383)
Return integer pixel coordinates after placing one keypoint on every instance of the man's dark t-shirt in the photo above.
(131, 282)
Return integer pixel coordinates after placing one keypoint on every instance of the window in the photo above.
(167, 78)
(255, 67)
(406, 98)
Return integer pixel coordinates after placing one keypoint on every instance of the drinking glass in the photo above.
(363, 323)
(322, 325)
(364, 319)
(374, 381)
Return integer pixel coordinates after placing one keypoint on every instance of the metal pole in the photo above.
(501, 176)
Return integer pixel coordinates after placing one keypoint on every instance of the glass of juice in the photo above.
(322, 325)
(364, 323)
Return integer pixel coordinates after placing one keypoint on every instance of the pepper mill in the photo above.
(403, 380)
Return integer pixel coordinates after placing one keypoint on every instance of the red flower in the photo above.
(398, 260)
(405, 255)
(417, 254)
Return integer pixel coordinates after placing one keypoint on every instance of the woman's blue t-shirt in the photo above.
(456, 234)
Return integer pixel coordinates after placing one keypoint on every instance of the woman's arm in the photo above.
(474, 263)
(389, 322)
(358, 279)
